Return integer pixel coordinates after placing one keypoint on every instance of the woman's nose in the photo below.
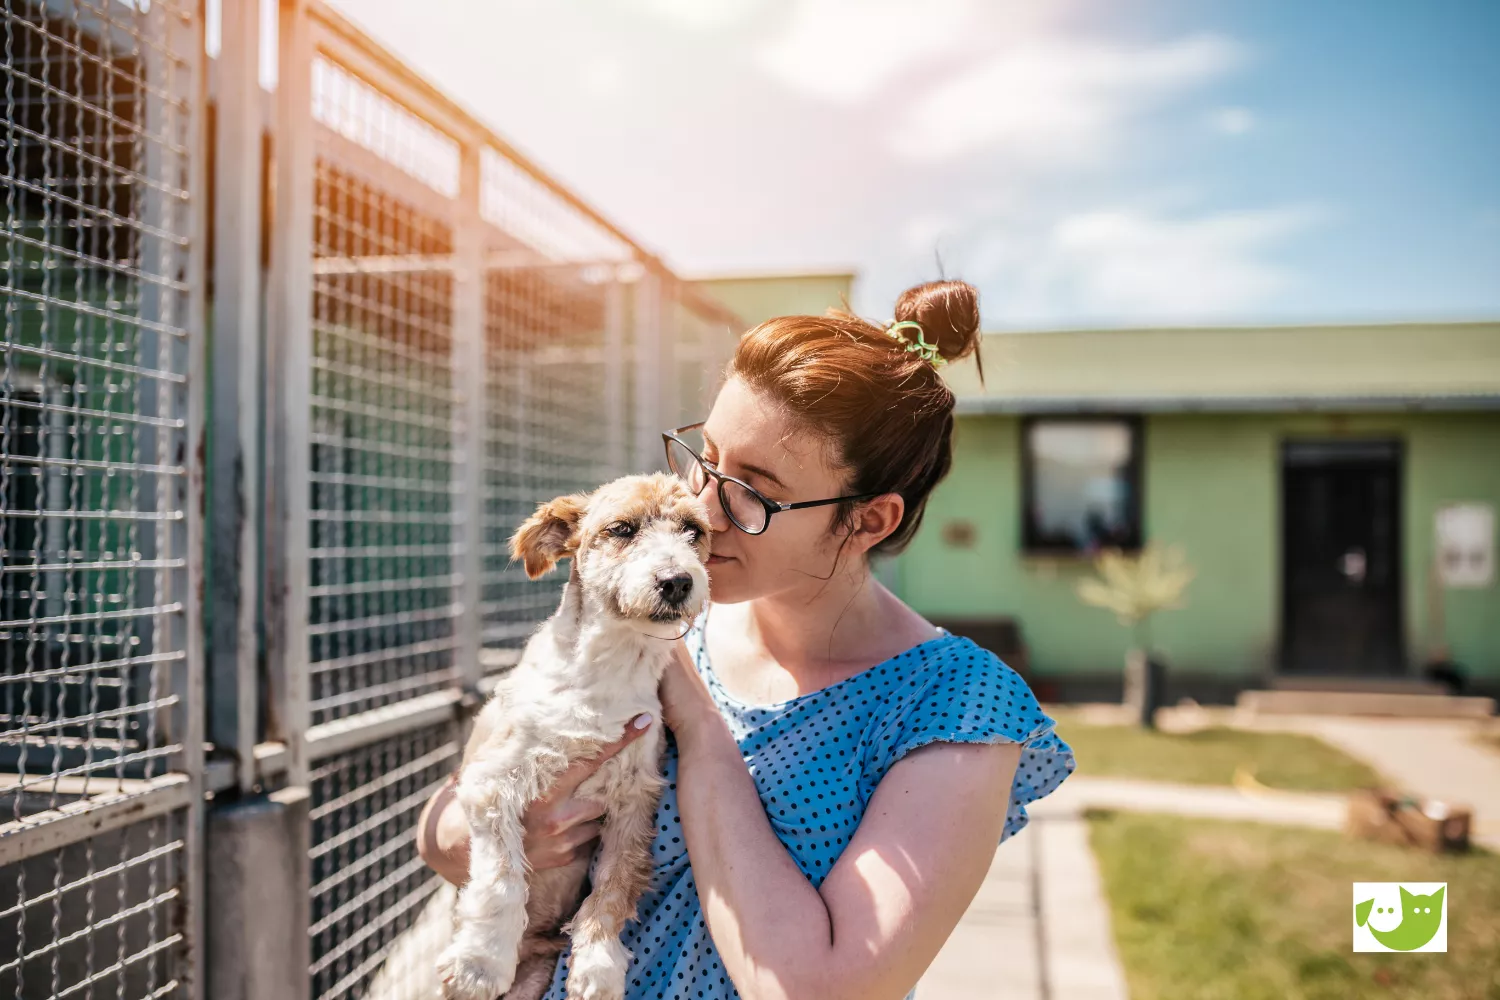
(717, 519)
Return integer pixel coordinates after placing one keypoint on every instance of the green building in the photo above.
(1308, 473)
(1305, 473)
(755, 298)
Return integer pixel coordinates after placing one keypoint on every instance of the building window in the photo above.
(1081, 484)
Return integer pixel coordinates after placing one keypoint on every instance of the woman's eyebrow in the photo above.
(753, 470)
(756, 470)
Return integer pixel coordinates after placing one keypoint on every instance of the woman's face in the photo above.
(751, 439)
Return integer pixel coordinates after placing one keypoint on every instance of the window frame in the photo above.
(1135, 424)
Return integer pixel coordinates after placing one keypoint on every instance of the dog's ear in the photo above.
(549, 535)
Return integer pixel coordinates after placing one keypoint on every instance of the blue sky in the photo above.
(1104, 163)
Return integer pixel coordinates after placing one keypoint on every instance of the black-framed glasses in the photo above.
(746, 507)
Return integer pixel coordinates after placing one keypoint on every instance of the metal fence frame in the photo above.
(501, 342)
(120, 793)
(550, 312)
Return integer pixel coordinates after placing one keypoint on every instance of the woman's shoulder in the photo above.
(955, 690)
(962, 693)
(954, 662)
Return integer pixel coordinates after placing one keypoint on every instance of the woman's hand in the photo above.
(685, 701)
(559, 827)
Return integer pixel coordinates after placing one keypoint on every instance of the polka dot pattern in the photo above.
(816, 761)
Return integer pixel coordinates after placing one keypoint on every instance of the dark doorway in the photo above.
(1341, 558)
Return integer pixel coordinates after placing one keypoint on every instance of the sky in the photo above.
(1111, 163)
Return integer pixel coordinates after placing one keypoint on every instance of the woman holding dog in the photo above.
(840, 770)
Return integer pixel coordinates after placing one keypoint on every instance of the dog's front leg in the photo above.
(599, 963)
(490, 917)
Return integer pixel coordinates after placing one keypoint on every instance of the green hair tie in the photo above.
(927, 352)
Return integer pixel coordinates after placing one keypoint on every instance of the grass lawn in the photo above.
(1214, 910)
(1289, 761)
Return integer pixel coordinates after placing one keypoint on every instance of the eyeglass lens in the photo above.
(742, 506)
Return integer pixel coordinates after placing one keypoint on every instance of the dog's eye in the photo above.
(694, 532)
(621, 529)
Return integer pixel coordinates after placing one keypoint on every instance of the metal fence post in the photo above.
(235, 478)
(289, 366)
(190, 539)
(470, 376)
(288, 389)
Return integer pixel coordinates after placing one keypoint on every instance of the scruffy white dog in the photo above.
(638, 547)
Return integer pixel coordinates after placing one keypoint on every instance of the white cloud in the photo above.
(1055, 100)
(697, 15)
(1133, 265)
(922, 232)
(603, 77)
(1232, 121)
(845, 50)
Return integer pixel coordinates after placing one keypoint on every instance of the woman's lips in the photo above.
(716, 559)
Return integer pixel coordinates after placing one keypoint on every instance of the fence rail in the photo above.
(274, 558)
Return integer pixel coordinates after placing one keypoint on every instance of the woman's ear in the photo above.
(877, 518)
(549, 535)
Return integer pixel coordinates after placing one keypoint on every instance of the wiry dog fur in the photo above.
(638, 547)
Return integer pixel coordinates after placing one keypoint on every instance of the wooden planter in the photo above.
(1392, 818)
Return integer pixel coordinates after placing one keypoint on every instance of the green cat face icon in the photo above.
(1421, 917)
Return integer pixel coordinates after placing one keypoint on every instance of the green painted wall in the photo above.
(756, 298)
(1212, 485)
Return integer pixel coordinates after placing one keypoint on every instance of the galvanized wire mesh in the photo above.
(347, 105)
(551, 402)
(91, 387)
(100, 918)
(369, 884)
(568, 320)
(99, 111)
(382, 425)
(534, 216)
(701, 347)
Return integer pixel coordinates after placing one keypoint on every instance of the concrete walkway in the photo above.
(1212, 801)
(1039, 927)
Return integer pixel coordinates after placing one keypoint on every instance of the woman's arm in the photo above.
(559, 827)
(892, 899)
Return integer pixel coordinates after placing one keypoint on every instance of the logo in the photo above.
(1401, 916)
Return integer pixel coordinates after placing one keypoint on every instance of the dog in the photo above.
(638, 547)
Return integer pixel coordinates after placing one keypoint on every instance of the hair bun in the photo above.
(948, 312)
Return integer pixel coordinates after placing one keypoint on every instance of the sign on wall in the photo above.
(1466, 544)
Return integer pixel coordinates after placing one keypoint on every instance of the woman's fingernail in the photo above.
(642, 721)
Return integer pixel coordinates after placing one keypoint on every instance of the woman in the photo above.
(840, 770)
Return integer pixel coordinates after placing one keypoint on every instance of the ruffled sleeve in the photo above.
(962, 693)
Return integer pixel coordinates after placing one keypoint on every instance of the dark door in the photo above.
(1341, 558)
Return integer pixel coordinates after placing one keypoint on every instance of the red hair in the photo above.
(885, 412)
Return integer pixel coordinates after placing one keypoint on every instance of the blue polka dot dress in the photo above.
(816, 761)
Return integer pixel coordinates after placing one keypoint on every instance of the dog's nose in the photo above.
(675, 589)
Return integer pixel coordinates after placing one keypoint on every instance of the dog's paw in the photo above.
(597, 971)
(467, 976)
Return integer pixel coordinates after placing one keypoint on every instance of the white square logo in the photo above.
(1401, 916)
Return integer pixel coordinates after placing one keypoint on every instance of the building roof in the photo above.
(1376, 367)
